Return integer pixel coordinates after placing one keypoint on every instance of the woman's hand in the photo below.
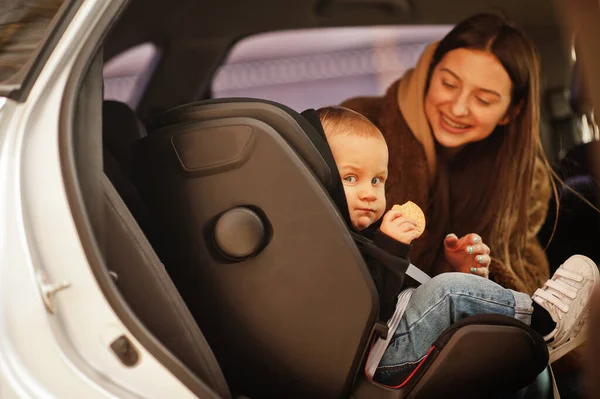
(399, 227)
(468, 254)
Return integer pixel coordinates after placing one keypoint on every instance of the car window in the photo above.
(127, 74)
(301, 70)
(24, 29)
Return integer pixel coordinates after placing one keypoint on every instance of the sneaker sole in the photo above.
(563, 348)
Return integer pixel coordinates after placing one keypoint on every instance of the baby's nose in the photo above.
(368, 195)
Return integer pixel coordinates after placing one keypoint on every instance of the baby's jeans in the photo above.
(435, 306)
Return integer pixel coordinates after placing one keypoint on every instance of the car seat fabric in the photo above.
(121, 128)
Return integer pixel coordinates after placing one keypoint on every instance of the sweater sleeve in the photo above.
(529, 268)
(392, 246)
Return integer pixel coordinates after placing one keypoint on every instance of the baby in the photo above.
(557, 311)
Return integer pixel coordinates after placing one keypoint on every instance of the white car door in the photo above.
(57, 330)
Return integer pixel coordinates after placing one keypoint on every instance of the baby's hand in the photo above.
(399, 227)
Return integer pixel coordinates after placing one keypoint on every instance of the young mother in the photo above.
(462, 131)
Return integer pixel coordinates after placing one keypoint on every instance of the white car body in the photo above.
(56, 323)
(65, 353)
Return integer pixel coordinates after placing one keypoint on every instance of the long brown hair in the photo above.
(496, 172)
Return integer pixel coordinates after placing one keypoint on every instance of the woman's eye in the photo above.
(376, 180)
(482, 101)
(448, 85)
(350, 179)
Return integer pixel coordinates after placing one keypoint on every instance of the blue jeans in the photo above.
(435, 306)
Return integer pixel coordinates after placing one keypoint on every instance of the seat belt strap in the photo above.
(419, 275)
(380, 345)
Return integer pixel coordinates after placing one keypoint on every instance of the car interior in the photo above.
(247, 287)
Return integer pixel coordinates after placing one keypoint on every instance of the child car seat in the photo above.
(264, 259)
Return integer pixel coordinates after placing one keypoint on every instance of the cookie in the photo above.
(412, 211)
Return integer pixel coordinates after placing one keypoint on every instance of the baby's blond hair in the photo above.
(338, 120)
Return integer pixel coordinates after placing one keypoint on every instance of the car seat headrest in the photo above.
(121, 128)
(276, 115)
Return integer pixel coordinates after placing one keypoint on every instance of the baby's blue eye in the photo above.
(350, 179)
(376, 180)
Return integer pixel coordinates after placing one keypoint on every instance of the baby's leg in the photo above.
(435, 306)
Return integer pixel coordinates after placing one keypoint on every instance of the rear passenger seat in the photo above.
(120, 129)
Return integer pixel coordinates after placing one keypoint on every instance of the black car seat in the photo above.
(276, 303)
(265, 261)
(120, 129)
(146, 287)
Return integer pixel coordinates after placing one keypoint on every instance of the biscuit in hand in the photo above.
(412, 211)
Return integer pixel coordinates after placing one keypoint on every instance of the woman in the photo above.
(462, 130)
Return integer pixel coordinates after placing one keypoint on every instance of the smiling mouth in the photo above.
(454, 124)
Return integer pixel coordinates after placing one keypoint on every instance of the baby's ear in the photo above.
(512, 113)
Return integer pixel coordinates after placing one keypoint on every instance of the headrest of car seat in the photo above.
(276, 115)
(121, 128)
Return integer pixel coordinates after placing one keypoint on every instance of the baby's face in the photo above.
(362, 163)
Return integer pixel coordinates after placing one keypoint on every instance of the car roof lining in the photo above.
(196, 36)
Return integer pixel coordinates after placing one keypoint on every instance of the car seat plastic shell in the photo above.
(277, 307)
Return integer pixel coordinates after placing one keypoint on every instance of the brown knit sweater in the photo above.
(412, 171)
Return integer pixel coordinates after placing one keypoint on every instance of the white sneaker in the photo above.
(566, 297)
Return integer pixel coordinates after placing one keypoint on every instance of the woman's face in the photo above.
(469, 95)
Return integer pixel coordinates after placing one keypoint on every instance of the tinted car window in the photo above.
(301, 70)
